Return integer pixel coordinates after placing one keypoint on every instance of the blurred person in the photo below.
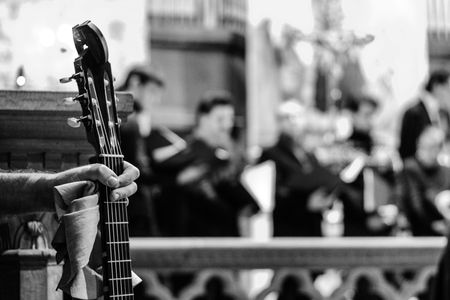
(303, 186)
(362, 111)
(358, 219)
(423, 179)
(202, 186)
(440, 283)
(431, 108)
(209, 183)
(141, 142)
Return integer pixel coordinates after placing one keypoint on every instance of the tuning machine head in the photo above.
(72, 77)
(76, 122)
(72, 100)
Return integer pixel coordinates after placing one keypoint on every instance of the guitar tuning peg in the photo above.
(68, 101)
(70, 78)
(75, 122)
(65, 79)
(106, 82)
(72, 100)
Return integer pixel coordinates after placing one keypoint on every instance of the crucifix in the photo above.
(335, 50)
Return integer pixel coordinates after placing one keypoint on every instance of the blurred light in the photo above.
(20, 81)
(344, 127)
(20, 77)
(334, 217)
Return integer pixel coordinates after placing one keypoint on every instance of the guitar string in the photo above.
(118, 287)
(111, 268)
(123, 247)
(114, 221)
(118, 206)
(125, 234)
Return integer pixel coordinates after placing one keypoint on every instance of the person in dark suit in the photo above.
(209, 183)
(358, 221)
(143, 144)
(430, 109)
(303, 185)
(423, 179)
(362, 111)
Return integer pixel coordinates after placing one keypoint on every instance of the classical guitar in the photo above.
(99, 116)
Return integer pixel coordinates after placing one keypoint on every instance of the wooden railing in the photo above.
(200, 14)
(321, 268)
(382, 262)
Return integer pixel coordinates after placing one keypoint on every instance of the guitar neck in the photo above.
(115, 238)
(99, 115)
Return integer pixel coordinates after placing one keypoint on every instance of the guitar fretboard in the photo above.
(116, 247)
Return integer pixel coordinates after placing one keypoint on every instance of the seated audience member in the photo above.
(423, 179)
(303, 185)
(208, 183)
(430, 109)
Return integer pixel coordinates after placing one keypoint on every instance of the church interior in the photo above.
(290, 149)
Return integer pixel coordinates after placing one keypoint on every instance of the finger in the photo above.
(124, 192)
(129, 175)
(98, 172)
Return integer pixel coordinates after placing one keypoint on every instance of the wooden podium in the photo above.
(34, 135)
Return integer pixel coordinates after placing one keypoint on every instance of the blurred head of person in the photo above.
(438, 86)
(215, 118)
(304, 126)
(429, 146)
(362, 111)
(146, 85)
(291, 119)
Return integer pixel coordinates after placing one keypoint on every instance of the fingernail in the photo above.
(116, 196)
(112, 181)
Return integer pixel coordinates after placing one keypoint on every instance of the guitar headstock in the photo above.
(95, 89)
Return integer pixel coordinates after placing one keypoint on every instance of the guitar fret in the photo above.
(119, 261)
(122, 278)
(116, 219)
(124, 295)
(111, 155)
(117, 223)
(118, 241)
(121, 242)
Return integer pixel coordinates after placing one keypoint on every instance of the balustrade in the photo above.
(320, 268)
(314, 268)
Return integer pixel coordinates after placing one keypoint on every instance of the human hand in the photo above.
(440, 226)
(375, 223)
(319, 200)
(191, 174)
(442, 203)
(122, 185)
